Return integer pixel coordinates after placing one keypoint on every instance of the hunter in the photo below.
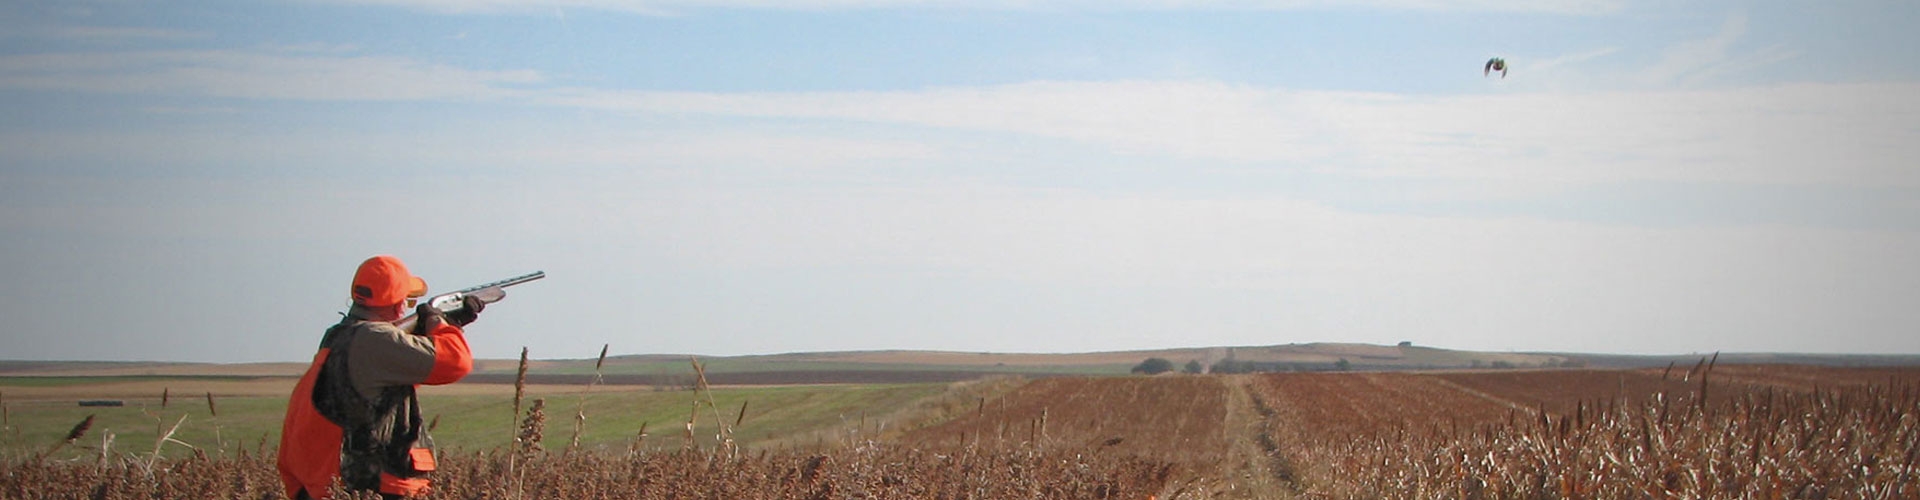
(354, 415)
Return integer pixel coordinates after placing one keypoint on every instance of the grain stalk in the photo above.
(639, 440)
(519, 393)
(106, 447)
(214, 412)
(528, 436)
(580, 412)
(725, 435)
(79, 430)
(513, 442)
(692, 416)
(168, 438)
(533, 429)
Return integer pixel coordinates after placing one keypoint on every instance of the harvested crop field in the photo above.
(1133, 415)
(1759, 431)
(1690, 432)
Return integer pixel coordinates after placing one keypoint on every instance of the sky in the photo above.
(196, 180)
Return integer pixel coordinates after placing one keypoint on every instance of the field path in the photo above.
(1254, 467)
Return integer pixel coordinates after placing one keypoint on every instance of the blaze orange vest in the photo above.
(311, 444)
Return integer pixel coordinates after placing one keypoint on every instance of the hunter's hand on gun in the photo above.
(461, 307)
(426, 319)
(470, 307)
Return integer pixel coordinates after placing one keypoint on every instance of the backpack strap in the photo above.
(333, 393)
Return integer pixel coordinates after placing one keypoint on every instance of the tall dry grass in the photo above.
(1715, 442)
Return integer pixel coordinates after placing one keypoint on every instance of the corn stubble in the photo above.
(1714, 441)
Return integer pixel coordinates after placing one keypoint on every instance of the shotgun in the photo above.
(452, 301)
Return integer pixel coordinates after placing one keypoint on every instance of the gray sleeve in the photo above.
(383, 355)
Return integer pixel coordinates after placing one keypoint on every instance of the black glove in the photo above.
(470, 307)
(427, 319)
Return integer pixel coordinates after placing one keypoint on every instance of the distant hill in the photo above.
(1296, 356)
(940, 366)
(1745, 358)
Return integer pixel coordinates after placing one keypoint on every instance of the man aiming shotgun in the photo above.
(354, 415)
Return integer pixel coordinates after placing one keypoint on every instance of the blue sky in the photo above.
(195, 181)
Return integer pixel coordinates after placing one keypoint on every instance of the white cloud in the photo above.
(1201, 271)
(113, 33)
(1695, 55)
(1838, 134)
(1193, 119)
(1215, 271)
(200, 110)
(1797, 134)
(1274, 266)
(661, 7)
(767, 153)
(1834, 134)
(1559, 70)
(257, 75)
(1694, 62)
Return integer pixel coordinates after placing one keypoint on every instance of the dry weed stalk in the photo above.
(167, 437)
(580, 412)
(639, 440)
(106, 447)
(514, 442)
(1746, 442)
(519, 388)
(725, 432)
(692, 416)
(885, 471)
(530, 432)
(214, 412)
(79, 430)
(533, 429)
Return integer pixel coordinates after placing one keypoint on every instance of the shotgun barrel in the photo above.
(487, 293)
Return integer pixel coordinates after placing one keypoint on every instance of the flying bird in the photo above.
(1495, 64)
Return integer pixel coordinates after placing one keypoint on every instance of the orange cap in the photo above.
(384, 281)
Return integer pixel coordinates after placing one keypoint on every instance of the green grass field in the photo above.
(775, 416)
(725, 365)
(614, 419)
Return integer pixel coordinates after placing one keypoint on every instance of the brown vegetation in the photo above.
(1602, 434)
(1165, 417)
(874, 471)
(1700, 431)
